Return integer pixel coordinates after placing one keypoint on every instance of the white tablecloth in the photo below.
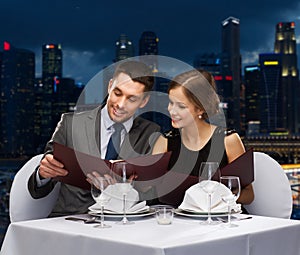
(256, 236)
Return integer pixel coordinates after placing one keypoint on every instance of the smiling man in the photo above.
(90, 132)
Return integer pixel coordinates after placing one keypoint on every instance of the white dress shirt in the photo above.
(107, 130)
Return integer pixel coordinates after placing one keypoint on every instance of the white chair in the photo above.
(21, 205)
(272, 190)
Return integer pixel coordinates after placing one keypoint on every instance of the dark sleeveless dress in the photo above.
(184, 164)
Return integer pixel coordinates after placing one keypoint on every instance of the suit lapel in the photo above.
(92, 132)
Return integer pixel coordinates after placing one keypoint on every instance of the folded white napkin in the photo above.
(114, 196)
(196, 199)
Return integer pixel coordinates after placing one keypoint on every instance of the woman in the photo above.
(192, 104)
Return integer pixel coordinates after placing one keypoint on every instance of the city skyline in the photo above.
(88, 31)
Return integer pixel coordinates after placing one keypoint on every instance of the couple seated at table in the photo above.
(193, 102)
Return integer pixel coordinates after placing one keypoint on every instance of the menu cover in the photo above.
(243, 167)
(79, 164)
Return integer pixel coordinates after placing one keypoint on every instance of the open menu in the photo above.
(174, 185)
(243, 167)
(79, 164)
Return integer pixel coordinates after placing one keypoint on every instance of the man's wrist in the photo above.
(40, 177)
(41, 180)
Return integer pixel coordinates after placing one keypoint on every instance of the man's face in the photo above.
(125, 96)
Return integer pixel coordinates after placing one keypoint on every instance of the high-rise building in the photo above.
(210, 62)
(271, 94)
(52, 61)
(124, 48)
(231, 67)
(148, 45)
(64, 97)
(51, 71)
(285, 44)
(17, 101)
(252, 93)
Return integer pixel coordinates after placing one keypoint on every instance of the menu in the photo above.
(78, 165)
(174, 185)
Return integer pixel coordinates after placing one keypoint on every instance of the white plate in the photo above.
(142, 210)
(202, 214)
(136, 212)
(148, 212)
(205, 213)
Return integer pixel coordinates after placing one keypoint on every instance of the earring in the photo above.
(200, 116)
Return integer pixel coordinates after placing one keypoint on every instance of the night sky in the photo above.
(87, 30)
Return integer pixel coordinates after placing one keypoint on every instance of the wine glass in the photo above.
(233, 184)
(125, 185)
(98, 187)
(209, 180)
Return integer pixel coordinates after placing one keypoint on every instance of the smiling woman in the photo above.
(193, 103)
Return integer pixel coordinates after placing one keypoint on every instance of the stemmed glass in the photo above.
(125, 185)
(233, 184)
(98, 186)
(209, 180)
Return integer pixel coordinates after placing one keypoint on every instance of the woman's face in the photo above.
(183, 113)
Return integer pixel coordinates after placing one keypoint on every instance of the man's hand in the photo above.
(110, 179)
(93, 177)
(50, 167)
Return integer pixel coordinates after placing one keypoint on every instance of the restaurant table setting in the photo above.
(155, 230)
(114, 205)
(195, 200)
(158, 230)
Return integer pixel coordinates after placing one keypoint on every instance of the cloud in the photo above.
(82, 66)
(250, 58)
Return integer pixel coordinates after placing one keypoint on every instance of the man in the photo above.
(89, 132)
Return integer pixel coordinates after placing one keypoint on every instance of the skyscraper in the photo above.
(212, 62)
(64, 97)
(252, 95)
(17, 101)
(208, 61)
(51, 71)
(52, 61)
(148, 45)
(271, 94)
(124, 48)
(285, 44)
(231, 67)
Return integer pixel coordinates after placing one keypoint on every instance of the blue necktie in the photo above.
(113, 147)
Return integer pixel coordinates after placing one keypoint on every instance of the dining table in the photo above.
(254, 235)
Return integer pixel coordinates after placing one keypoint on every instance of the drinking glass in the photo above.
(125, 185)
(209, 180)
(233, 184)
(98, 186)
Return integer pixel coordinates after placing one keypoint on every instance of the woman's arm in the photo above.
(234, 148)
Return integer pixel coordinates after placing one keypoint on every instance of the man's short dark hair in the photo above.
(137, 71)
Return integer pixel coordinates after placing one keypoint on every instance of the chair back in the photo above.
(21, 204)
(272, 190)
